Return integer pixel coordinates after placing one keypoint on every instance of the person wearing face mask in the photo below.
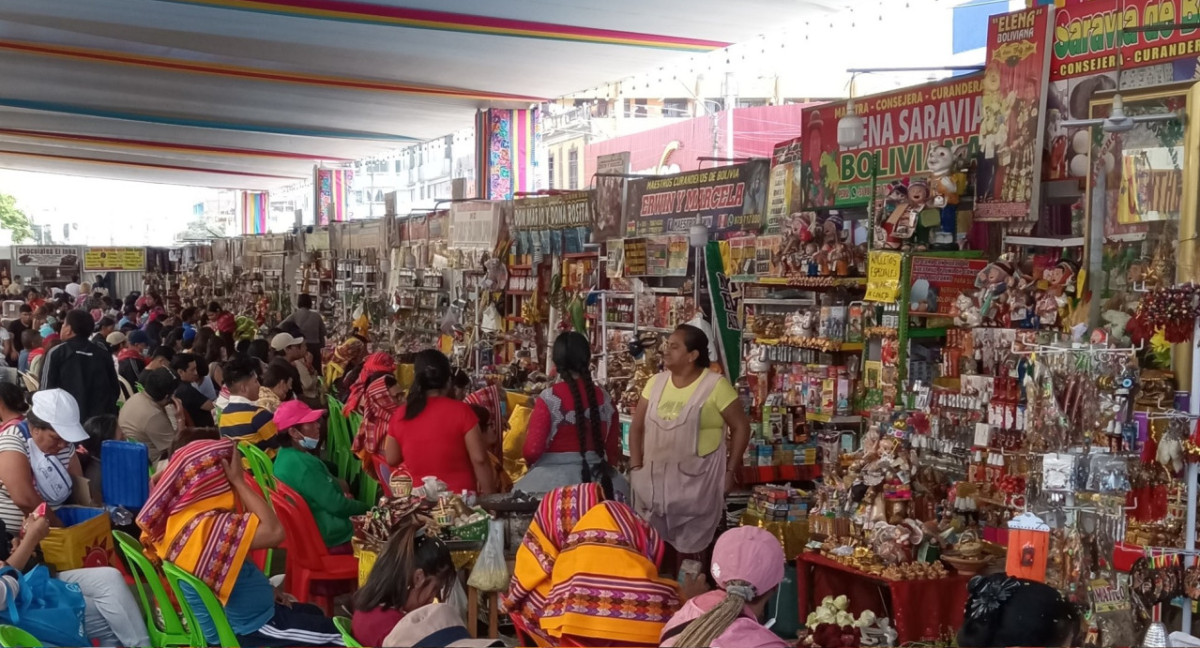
(747, 567)
(296, 466)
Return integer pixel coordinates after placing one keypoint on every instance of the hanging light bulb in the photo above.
(1118, 121)
(851, 130)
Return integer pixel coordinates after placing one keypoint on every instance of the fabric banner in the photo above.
(1014, 107)
(506, 144)
(332, 199)
(114, 259)
(726, 302)
(726, 200)
(901, 129)
(254, 212)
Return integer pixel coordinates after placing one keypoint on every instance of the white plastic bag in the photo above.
(491, 571)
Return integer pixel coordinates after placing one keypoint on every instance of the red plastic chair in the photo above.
(260, 557)
(524, 637)
(308, 559)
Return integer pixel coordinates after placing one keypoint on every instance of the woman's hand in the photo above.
(731, 480)
(36, 528)
(233, 470)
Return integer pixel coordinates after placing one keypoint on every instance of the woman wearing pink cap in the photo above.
(747, 567)
(296, 466)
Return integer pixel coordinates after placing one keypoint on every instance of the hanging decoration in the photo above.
(255, 205)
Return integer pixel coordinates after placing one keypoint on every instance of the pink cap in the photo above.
(292, 413)
(748, 554)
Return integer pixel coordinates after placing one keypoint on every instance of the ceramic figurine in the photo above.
(944, 164)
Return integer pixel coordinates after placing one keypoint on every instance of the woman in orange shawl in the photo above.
(605, 589)
(559, 512)
(204, 517)
(345, 356)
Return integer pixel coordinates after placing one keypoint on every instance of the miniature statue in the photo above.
(993, 283)
(965, 313)
(895, 203)
(944, 164)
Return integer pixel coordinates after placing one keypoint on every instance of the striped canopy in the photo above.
(251, 94)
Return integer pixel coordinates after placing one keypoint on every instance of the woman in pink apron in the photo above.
(681, 466)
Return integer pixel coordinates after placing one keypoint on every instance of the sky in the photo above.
(102, 211)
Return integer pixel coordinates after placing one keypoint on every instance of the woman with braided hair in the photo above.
(747, 567)
(574, 433)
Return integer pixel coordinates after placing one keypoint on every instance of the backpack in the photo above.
(47, 608)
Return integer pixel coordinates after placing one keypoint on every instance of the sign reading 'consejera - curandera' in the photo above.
(723, 199)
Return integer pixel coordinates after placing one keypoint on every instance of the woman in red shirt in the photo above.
(436, 435)
(574, 433)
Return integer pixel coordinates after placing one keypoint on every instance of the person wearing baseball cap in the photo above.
(296, 466)
(131, 361)
(44, 443)
(293, 350)
(747, 566)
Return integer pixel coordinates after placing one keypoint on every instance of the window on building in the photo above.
(550, 170)
(675, 108)
(573, 169)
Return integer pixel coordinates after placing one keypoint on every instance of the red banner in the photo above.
(1086, 39)
(901, 126)
(1014, 109)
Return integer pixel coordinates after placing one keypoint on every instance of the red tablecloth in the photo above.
(921, 610)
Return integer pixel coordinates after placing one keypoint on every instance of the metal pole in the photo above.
(1193, 473)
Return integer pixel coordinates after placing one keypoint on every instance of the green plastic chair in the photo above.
(176, 577)
(14, 637)
(343, 625)
(368, 489)
(338, 447)
(156, 605)
(263, 470)
(261, 466)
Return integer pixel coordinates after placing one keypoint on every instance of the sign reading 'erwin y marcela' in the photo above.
(723, 199)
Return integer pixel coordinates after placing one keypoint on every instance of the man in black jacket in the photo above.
(83, 369)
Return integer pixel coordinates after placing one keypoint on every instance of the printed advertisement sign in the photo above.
(475, 224)
(635, 257)
(723, 199)
(553, 212)
(938, 281)
(901, 129)
(610, 191)
(1084, 60)
(46, 256)
(1086, 39)
(105, 259)
(1009, 176)
(786, 193)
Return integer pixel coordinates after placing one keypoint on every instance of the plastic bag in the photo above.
(491, 570)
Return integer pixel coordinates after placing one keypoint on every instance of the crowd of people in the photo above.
(597, 566)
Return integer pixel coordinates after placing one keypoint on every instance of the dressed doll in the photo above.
(945, 179)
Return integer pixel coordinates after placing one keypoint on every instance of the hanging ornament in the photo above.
(1173, 310)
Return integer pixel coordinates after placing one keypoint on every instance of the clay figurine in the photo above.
(944, 164)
